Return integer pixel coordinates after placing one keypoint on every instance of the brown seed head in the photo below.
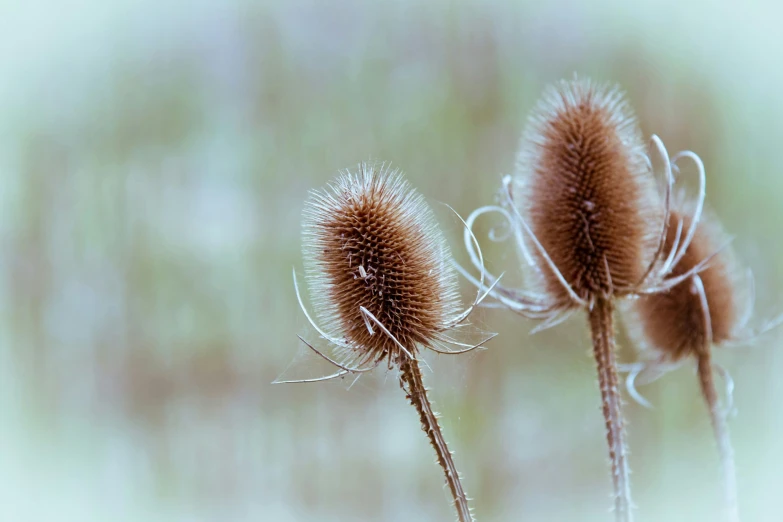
(672, 323)
(583, 184)
(370, 240)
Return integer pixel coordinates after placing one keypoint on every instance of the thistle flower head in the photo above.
(376, 260)
(584, 186)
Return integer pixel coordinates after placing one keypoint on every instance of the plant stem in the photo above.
(412, 382)
(721, 430)
(602, 333)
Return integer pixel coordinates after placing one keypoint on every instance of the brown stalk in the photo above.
(602, 333)
(411, 381)
(721, 431)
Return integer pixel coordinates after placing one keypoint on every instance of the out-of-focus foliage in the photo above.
(154, 158)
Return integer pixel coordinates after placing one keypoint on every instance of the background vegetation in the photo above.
(154, 159)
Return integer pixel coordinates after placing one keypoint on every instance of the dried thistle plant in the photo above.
(711, 308)
(384, 287)
(588, 220)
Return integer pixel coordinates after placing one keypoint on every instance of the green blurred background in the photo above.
(154, 160)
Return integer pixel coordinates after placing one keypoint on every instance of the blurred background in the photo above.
(154, 160)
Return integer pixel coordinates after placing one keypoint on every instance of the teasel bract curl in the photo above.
(589, 221)
(383, 286)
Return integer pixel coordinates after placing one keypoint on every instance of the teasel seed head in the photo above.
(672, 323)
(584, 185)
(372, 249)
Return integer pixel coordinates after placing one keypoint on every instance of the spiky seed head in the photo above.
(672, 323)
(370, 240)
(584, 185)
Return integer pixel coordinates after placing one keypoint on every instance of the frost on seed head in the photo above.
(584, 185)
(371, 244)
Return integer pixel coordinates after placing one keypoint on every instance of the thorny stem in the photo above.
(602, 333)
(412, 382)
(719, 427)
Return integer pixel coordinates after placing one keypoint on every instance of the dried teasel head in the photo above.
(379, 271)
(672, 323)
(712, 306)
(371, 243)
(584, 186)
